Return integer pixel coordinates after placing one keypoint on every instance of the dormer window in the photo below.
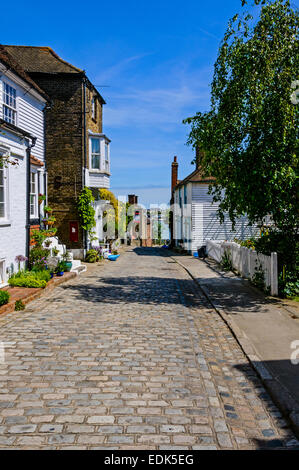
(9, 104)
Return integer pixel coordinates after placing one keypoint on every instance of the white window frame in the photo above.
(34, 194)
(3, 217)
(3, 276)
(91, 154)
(5, 152)
(11, 106)
(107, 162)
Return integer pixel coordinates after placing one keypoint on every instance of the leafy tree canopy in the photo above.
(249, 138)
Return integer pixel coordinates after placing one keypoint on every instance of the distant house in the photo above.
(77, 151)
(194, 215)
(22, 105)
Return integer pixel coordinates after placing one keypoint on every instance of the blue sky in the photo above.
(153, 61)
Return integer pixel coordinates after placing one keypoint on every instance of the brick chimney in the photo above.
(174, 173)
(132, 199)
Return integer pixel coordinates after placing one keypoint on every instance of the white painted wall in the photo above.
(30, 118)
(12, 228)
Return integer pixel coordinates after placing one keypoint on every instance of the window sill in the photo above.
(5, 222)
(100, 172)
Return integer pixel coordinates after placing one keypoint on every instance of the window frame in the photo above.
(5, 194)
(11, 108)
(34, 194)
(92, 154)
(107, 159)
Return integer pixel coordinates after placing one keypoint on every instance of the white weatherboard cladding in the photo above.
(98, 180)
(205, 221)
(30, 116)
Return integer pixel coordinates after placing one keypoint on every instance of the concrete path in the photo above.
(266, 327)
(130, 355)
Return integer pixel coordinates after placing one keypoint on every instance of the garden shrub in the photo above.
(19, 305)
(92, 256)
(30, 279)
(4, 297)
(38, 257)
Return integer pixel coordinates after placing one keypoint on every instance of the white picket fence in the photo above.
(246, 261)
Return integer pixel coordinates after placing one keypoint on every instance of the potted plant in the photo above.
(50, 232)
(52, 273)
(41, 198)
(55, 252)
(48, 243)
(60, 268)
(48, 210)
(49, 221)
(67, 261)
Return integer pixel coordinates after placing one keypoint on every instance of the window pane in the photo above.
(1, 194)
(1, 177)
(2, 210)
(95, 146)
(95, 161)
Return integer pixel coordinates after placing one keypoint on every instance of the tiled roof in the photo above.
(35, 161)
(40, 59)
(36, 59)
(8, 60)
(196, 177)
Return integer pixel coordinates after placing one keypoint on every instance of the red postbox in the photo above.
(74, 231)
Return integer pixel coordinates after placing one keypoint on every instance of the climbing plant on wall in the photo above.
(86, 211)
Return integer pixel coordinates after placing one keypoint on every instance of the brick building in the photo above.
(77, 151)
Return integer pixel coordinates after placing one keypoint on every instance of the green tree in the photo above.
(249, 137)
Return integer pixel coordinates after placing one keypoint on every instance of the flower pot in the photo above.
(51, 274)
(49, 222)
(60, 273)
(68, 266)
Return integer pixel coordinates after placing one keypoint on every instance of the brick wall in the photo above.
(64, 149)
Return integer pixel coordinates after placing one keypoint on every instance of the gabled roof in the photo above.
(195, 177)
(40, 59)
(13, 65)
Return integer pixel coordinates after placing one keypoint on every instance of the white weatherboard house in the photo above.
(21, 140)
(195, 217)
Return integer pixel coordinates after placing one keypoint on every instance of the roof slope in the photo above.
(36, 59)
(40, 59)
(9, 61)
(196, 177)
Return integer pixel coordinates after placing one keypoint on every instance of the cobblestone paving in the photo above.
(130, 356)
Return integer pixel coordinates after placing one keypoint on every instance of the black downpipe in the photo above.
(28, 153)
(84, 149)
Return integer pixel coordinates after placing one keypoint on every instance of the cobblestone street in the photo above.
(130, 355)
